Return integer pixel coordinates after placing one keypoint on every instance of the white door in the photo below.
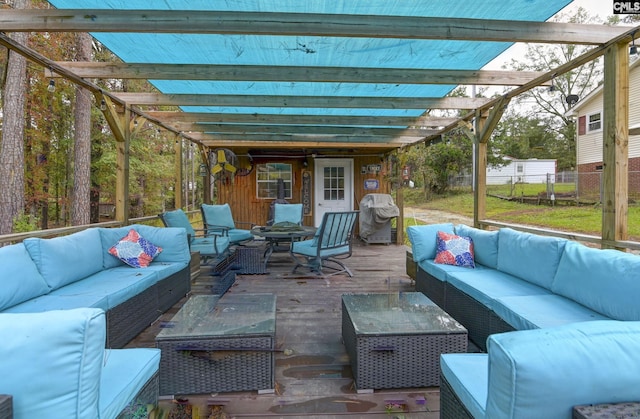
(333, 186)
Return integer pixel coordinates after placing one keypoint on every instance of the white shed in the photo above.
(522, 171)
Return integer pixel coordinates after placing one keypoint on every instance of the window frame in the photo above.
(590, 123)
(274, 171)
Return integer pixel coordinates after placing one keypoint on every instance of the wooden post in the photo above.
(122, 169)
(480, 172)
(615, 144)
(177, 192)
(118, 119)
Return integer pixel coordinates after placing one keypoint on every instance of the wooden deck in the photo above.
(313, 376)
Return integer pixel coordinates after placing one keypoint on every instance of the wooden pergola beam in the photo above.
(329, 25)
(162, 71)
(300, 129)
(174, 118)
(159, 99)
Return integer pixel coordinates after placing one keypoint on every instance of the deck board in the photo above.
(313, 375)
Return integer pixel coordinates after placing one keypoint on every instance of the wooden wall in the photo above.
(246, 207)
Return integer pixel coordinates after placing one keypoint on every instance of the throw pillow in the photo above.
(454, 250)
(135, 250)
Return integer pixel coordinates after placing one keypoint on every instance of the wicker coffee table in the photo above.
(395, 340)
(219, 344)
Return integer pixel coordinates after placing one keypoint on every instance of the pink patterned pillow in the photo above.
(135, 250)
(454, 250)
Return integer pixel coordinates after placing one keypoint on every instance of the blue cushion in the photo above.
(310, 248)
(543, 373)
(178, 218)
(485, 244)
(423, 239)
(607, 281)
(116, 284)
(66, 259)
(467, 375)
(20, 279)
(528, 256)
(60, 302)
(290, 213)
(487, 285)
(53, 362)
(125, 373)
(539, 311)
(173, 241)
(439, 271)
(218, 215)
(239, 235)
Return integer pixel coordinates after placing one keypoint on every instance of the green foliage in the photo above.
(25, 223)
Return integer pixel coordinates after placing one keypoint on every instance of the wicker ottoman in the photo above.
(219, 344)
(609, 410)
(395, 340)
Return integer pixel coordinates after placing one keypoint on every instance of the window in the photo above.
(595, 122)
(268, 175)
(334, 183)
(520, 167)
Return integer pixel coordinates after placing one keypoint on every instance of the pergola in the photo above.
(363, 76)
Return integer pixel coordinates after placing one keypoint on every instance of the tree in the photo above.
(12, 181)
(81, 202)
(548, 106)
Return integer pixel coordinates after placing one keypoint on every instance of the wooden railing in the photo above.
(586, 238)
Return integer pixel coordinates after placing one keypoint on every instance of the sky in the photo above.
(601, 8)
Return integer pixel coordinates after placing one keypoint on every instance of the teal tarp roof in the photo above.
(275, 50)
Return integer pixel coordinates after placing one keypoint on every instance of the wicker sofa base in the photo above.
(450, 405)
(6, 406)
(143, 402)
(173, 288)
(479, 320)
(431, 287)
(128, 319)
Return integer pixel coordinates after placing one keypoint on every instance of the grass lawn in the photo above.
(583, 219)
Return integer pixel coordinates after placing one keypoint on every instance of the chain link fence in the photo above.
(583, 187)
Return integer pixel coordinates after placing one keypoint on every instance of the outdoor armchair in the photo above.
(209, 245)
(332, 242)
(218, 219)
(286, 213)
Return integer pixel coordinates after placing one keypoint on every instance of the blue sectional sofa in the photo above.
(78, 271)
(526, 282)
(54, 365)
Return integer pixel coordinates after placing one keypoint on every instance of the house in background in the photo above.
(589, 116)
(522, 171)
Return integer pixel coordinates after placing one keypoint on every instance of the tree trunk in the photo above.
(13, 127)
(81, 195)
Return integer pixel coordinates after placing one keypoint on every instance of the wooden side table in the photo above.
(607, 410)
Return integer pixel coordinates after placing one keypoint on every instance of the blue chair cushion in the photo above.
(310, 248)
(218, 215)
(237, 235)
(287, 213)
